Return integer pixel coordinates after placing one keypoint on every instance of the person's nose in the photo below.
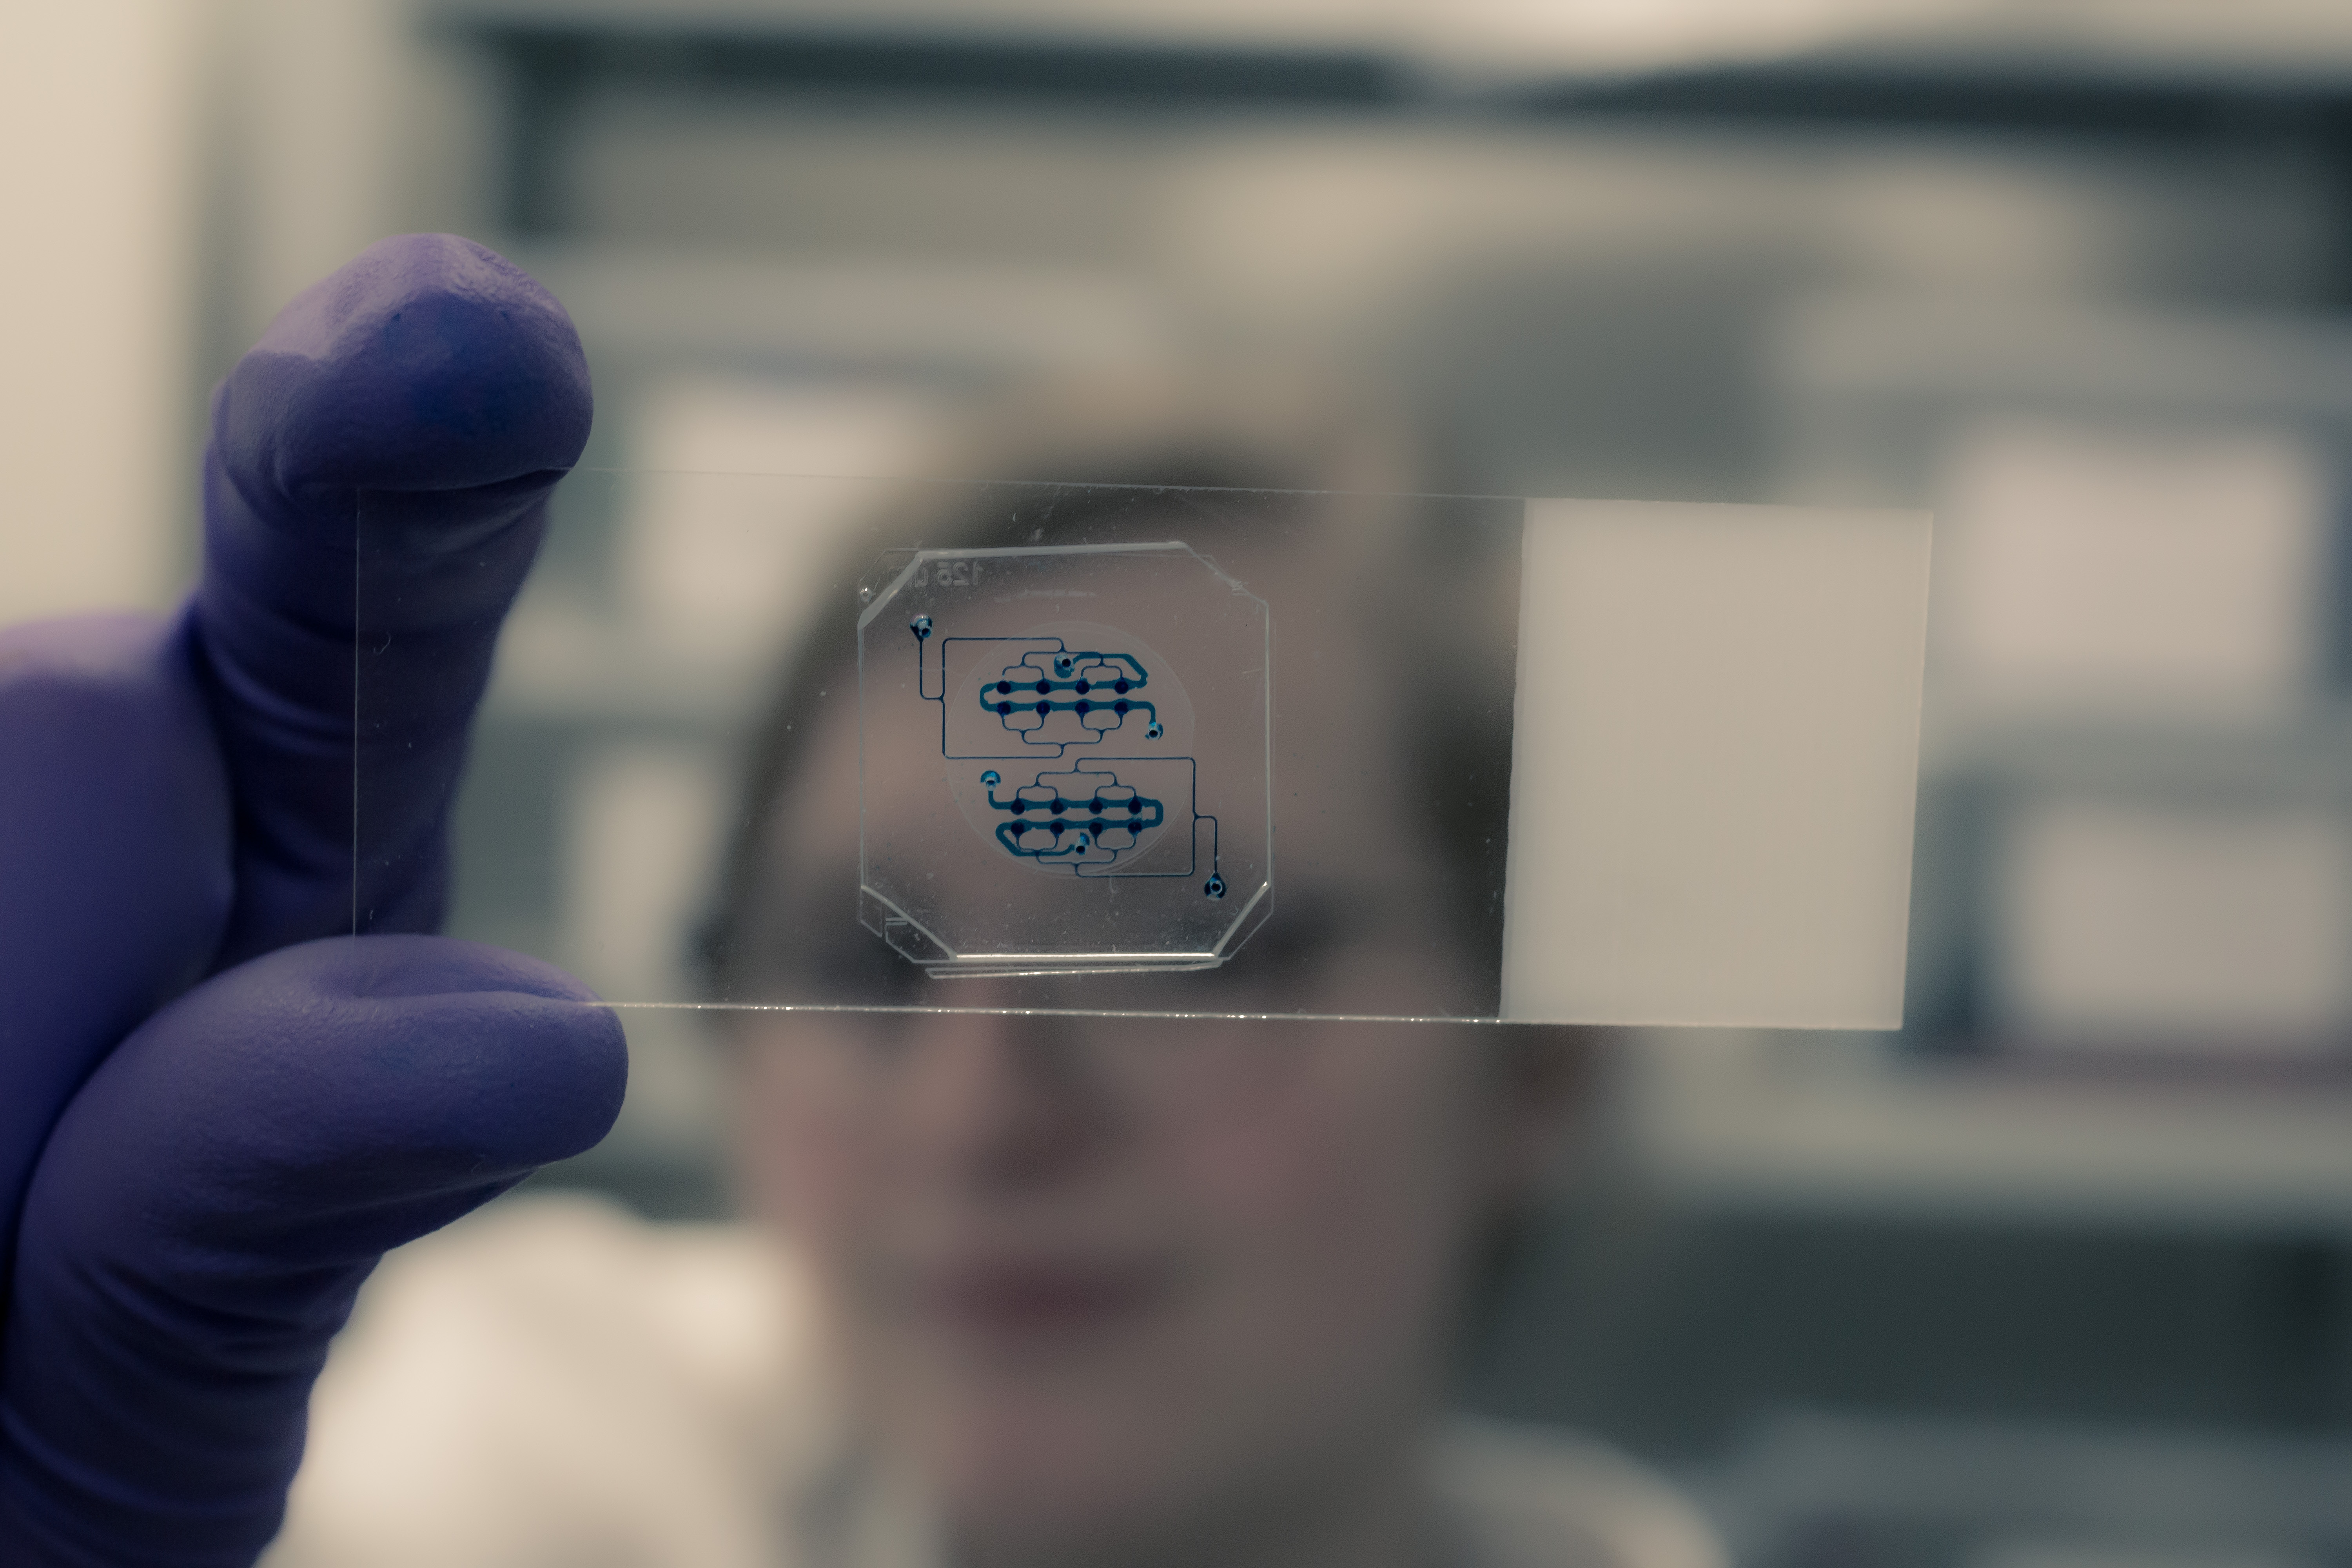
(1009, 1102)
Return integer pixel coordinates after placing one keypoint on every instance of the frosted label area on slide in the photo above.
(1715, 765)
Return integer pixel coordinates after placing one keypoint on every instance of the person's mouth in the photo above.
(1018, 1301)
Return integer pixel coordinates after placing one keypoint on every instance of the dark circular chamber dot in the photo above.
(1019, 805)
(1084, 706)
(1120, 685)
(1059, 807)
(1135, 807)
(1043, 686)
(1084, 688)
(1096, 824)
(1004, 686)
(1044, 708)
(1119, 706)
(1005, 707)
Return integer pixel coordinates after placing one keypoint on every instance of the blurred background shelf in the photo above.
(650, 305)
(1824, 1126)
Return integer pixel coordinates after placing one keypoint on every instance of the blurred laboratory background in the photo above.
(2060, 1274)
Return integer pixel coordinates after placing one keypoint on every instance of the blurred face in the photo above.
(1129, 1288)
(1106, 1280)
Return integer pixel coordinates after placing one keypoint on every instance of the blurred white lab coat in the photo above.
(556, 1384)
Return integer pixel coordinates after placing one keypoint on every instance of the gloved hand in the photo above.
(218, 1108)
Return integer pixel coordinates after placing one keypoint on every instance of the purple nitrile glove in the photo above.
(217, 1107)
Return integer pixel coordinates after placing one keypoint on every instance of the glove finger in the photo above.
(211, 1201)
(114, 860)
(443, 382)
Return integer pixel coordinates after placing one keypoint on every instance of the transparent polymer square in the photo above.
(1027, 746)
(1101, 715)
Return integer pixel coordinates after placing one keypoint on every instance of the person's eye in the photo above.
(1298, 935)
(848, 965)
(863, 968)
